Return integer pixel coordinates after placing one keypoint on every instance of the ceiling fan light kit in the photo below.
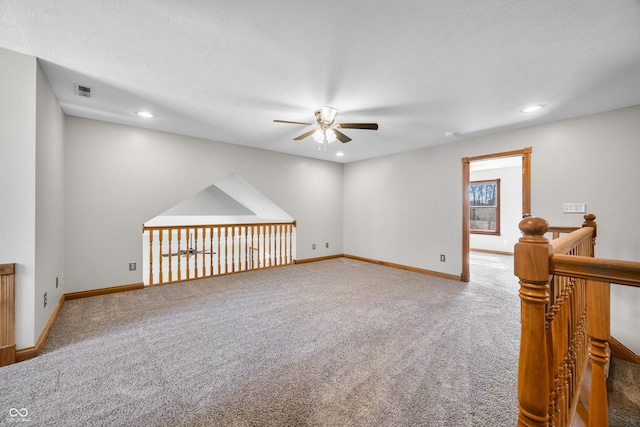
(325, 130)
(324, 137)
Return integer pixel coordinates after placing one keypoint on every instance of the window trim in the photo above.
(495, 232)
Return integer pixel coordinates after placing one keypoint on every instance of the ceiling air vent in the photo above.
(83, 90)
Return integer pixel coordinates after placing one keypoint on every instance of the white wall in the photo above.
(590, 159)
(625, 301)
(49, 221)
(210, 201)
(18, 183)
(118, 177)
(239, 203)
(246, 194)
(510, 209)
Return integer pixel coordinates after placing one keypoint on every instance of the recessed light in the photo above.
(531, 108)
(339, 154)
(145, 114)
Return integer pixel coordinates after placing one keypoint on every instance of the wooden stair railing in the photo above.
(556, 231)
(565, 310)
(7, 314)
(187, 252)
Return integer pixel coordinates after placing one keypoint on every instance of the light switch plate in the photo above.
(576, 208)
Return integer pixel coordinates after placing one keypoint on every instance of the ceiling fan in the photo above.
(325, 131)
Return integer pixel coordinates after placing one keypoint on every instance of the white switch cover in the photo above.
(574, 208)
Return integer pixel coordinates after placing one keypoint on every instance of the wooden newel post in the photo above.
(531, 258)
(598, 322)
(590, 221)
(7, 314)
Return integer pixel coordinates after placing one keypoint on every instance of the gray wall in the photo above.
(31, 179)
(49, 202)
(118, 177)
(18, 182)
(407, 208)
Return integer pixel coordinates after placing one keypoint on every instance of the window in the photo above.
(484, 205)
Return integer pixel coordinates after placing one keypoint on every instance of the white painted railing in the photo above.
(188, 252)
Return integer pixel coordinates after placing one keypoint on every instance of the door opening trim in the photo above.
(465, 276)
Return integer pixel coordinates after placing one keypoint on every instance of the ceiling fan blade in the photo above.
(341, 136)
(293, 123)
(304, 135)
(372, 126)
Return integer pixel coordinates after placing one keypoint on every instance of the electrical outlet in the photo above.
(45, 299)
(313, 246)
(132, 266)
(442, 258)
(326, 245)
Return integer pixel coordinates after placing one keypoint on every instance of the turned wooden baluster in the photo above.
(598, 321)
(531, 265)
(170, 256)
(224, 237)
(280, 231)
(151, 257)
(211, 252)
(288, 243)
(219, 254)
(261, 246)
(187, 267)
(247, 234)
(160, 272)
(245, 247)
(560, 372)
(274, 246)
(179, 252)
(232, 238)
(255, 238)
(267, 246)
(193, 251)
(293, 226)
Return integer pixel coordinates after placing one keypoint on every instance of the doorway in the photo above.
(525, 153)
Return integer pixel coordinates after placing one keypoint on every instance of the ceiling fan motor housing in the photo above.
(325, 115)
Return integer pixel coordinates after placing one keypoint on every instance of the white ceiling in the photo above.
(223, 70)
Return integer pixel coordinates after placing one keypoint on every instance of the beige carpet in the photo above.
(331, 343)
